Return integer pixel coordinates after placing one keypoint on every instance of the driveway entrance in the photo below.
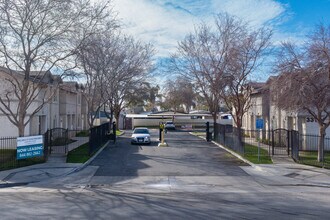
(186, 156)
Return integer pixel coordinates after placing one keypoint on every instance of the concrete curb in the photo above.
(84, 165)
(239, 157)
(74, 170)
(233, 153)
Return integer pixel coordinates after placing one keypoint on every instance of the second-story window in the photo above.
(55, 97)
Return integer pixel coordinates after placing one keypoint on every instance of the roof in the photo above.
(164, 115)
(71, 86)
(42, 77)
(168, 113)
(258, 87)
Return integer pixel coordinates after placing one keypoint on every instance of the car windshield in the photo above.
(169, 122)
(141, 131)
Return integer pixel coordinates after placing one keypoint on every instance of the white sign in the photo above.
(28, 147)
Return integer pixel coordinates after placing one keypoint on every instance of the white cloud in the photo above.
(258, 12)
(164, 23)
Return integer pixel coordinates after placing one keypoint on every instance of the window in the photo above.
(55, 98)
(79, 99)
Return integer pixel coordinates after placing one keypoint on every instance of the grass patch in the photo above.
(79, 155)
(8, 160)
(251, 154)
(310, 158)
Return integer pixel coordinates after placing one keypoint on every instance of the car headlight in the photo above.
(147, 138)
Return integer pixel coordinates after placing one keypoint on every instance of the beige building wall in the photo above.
(65, 110)
(71, 107)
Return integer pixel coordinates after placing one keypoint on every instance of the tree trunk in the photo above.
(239, 132)
(214, 115)
(117, 114)
(320, 155)
(21, 128)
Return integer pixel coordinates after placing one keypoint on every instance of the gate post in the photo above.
(289, 133)
(66, 141)
(208, 139)
(161, 127)
(50, 141)
(46, 145)
(114, 129)
(273, 142)
(295, 145)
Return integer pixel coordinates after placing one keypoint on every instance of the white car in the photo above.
(169, 125)
(141, 136)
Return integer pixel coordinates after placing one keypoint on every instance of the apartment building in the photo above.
(275, 118)
(72, 111)
(63, 104)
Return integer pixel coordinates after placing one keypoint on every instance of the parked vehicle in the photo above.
(169, 125)
(141, 136)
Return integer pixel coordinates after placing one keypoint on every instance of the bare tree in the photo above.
(304, 80)
(245, 52)
(198, 59)
(96, 55)
(37, 36)
(218, 62)
(128, 72)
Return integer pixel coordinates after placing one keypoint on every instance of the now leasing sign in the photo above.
(28, 147)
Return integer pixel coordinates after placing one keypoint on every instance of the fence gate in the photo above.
(57, 140)
(280, 142)
(285, 142)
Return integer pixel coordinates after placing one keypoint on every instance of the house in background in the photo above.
(263, 107)
(41, 121)
(71, 113)
(259, 106)
(48, 116)
(64, 108)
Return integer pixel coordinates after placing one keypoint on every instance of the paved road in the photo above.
(189, 179)
(186, 155)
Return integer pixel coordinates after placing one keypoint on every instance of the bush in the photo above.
(266, 141)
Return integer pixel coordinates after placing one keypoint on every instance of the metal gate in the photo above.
(57, 140)
(285, 142)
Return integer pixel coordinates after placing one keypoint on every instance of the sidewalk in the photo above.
(35, 173)
(55, 166)
(285, 171)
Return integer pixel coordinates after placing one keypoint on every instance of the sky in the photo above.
(165, 22)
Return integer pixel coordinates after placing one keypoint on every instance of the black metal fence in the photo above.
(301, 147)
(307, 150)
(100, 135)
(57, 140)
(8, 155)
(227, 135)
(248, 143)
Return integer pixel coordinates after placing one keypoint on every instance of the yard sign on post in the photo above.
(259, 126)
(259, 123)
(28, 147)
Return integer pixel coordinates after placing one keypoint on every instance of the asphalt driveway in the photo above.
(186, 155)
